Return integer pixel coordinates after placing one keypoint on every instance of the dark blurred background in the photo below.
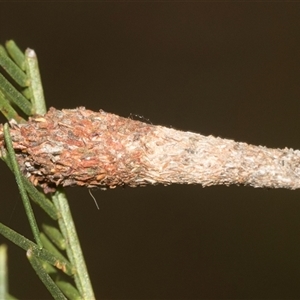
(227, 69)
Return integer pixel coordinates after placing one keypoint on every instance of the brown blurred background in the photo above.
(227, 69)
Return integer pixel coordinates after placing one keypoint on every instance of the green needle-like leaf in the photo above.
(32, 68)
(13, 70)
(74, 252)
(13, 95)
(50, 247)
(3, 50)
(40, 199)
(35, 195)
(16, 54)
(55, 236)
(3, 271)
(43, 254)
(69, 290)
(45, 278)
(7, 110)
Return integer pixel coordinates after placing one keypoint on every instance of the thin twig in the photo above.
(85, 148)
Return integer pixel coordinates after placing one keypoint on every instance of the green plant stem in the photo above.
(74, 250)
(22, 189)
